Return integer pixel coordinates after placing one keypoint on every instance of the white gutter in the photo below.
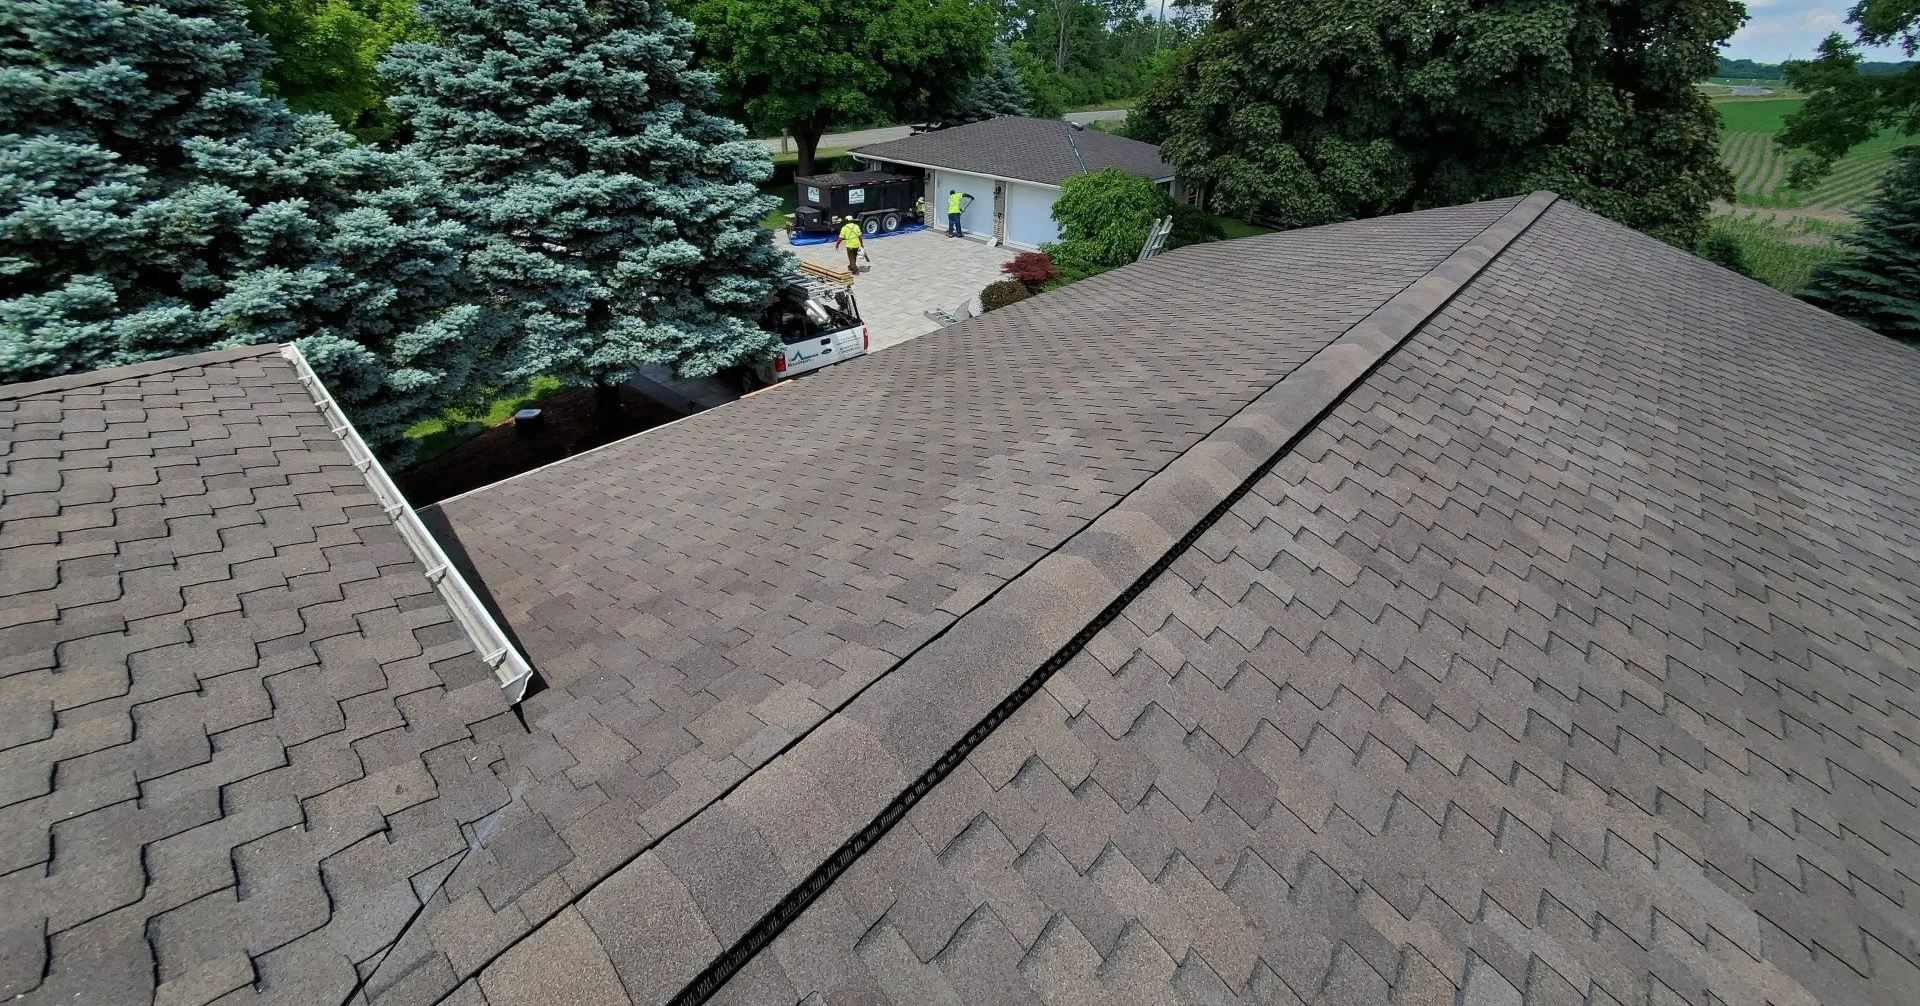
(489, 640)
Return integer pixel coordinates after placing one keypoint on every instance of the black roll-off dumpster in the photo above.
(879, 200)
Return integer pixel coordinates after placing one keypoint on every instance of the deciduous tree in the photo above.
(153, 202)
(619, 219)
(327, 54)
(1846, 107)
(802, 67)
(1307, 113)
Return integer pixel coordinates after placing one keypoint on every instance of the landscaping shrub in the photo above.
(1034, 270)
(1104, 218)
(1000, 293)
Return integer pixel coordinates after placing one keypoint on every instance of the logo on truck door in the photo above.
(813, 194)
(856, 196)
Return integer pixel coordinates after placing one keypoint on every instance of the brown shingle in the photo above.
(203, 596)
(1574, 720)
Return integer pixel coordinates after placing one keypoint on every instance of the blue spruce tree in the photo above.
(996, 90)
(619, 220)
(154, 202)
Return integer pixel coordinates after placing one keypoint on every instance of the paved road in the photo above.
(862, 137)
(1103, 115)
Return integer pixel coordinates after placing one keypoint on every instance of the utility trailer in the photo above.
(880, 200)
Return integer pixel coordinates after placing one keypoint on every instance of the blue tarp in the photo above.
(798, 240)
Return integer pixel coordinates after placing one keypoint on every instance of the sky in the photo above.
(1783, 29)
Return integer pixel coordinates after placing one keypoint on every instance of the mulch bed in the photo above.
(569, 427)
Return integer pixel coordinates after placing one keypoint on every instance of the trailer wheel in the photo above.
(871, 225)
(891, 223)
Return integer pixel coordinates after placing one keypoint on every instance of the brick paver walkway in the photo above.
(910, 274)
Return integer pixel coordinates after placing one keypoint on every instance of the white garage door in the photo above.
(978, 216)
(1030, 214)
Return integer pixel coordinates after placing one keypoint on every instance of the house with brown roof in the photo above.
(1011, 166)
(1489, 604)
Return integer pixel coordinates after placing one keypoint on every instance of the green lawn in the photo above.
(1755, 115)
(436, 436)
(789, 197)
(1240, 228)
(820, 156)
(1105, 106)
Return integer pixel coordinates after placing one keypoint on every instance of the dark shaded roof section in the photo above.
(1034, 150)
(700, 595)
(239, 732)
(1569, 659)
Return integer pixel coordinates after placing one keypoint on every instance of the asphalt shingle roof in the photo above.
(1569, 659)
(1012, 146)
(1489, 604)
(233, 711)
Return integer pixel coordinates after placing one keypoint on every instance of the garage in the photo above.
(1024, 159)
(1030, 214)
(977, 218)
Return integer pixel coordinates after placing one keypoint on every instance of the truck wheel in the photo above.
(870, 225)
(891, 223)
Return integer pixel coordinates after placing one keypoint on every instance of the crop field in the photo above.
(1782, 251)
(1759, 165)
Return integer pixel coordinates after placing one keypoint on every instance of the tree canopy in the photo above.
(1878, 283)
(1847, 106)
(1308, 113)
(804, 67)
(327, 55)
(1079, 52)
(618, 219)
(153, 202)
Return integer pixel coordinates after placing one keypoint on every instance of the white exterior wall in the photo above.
(1030, 214)
(978, 217)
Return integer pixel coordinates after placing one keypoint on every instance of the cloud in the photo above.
(1792, 29)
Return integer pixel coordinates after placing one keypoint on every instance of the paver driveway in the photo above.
(910, 274)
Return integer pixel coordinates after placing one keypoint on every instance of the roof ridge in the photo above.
(167, 365)
(1125, 549)
(951, 691)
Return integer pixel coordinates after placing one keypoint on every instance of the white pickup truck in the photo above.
(818, 323)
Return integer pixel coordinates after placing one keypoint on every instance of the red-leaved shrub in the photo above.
(1033, 269)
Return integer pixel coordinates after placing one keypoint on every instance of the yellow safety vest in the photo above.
(953, 202)
(850, 233)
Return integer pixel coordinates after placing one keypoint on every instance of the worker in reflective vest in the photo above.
(850, 236)
(953, 214)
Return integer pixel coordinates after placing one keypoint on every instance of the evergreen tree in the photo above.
(997, 90)
(1878, 285)
(619, 220)
(1308, 113)
(154, 202)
